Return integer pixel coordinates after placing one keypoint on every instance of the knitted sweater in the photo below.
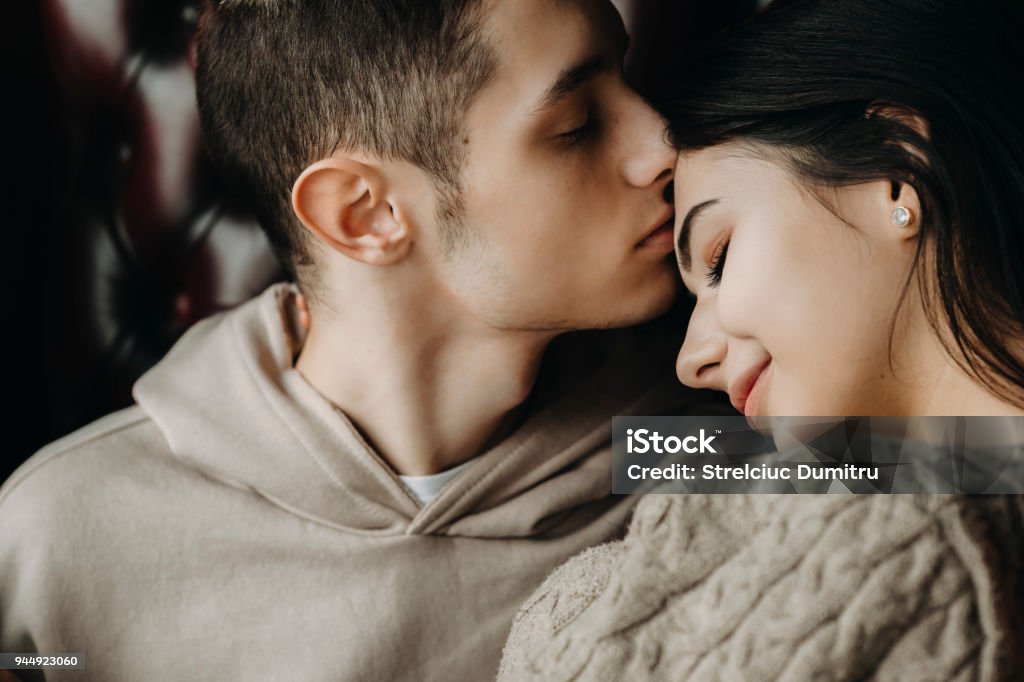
(777, 587)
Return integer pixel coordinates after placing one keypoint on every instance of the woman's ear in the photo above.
(344, 203)
(904, 210)
(887, 209)
(901, 114)
(903, 206)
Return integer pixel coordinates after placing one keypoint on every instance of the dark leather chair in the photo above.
(142, 240)
(125, 236)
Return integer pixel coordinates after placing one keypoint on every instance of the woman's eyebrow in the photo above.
(683, 242)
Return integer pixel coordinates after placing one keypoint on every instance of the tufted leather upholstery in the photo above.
(147, 241)
(140, 239)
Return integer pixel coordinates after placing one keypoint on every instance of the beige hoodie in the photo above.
(234, 525)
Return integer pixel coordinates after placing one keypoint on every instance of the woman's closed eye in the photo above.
(714, 276)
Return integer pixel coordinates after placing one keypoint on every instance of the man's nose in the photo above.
(699, 364)
(650, 159)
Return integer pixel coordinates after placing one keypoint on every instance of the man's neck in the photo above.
(426, 396)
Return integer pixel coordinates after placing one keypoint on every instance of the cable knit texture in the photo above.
(785, 587)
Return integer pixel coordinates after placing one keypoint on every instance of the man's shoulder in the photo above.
(90, 463)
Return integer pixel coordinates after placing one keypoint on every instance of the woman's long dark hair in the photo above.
(838, 88)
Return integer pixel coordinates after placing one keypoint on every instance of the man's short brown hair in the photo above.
(284, 83)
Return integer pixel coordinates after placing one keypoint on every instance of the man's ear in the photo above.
(344, 202)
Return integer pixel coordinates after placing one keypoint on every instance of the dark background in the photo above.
(28, 176)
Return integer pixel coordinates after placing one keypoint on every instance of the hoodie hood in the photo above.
(230, 403)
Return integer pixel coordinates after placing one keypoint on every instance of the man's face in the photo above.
(566, 217)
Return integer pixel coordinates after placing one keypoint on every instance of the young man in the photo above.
(369, 489)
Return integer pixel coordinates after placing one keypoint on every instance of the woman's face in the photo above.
(794, 305)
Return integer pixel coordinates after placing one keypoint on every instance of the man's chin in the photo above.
(653, 303)
(606, 310)
(636, 311)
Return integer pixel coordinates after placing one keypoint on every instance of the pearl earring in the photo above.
(901, 216)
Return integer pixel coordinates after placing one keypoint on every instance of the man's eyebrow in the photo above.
(683, 242)
(569, 81)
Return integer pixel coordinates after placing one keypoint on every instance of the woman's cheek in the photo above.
(745, 295)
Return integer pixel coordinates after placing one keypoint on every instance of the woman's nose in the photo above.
(699, 364)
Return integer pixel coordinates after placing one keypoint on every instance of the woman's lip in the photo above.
(742, 390)
(752, 405)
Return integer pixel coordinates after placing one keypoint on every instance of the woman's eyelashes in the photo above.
(714, 276)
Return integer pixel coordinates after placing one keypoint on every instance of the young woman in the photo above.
(850, 193)
(850, 218)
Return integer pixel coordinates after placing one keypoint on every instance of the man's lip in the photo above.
(667, 220)
(740, 390)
